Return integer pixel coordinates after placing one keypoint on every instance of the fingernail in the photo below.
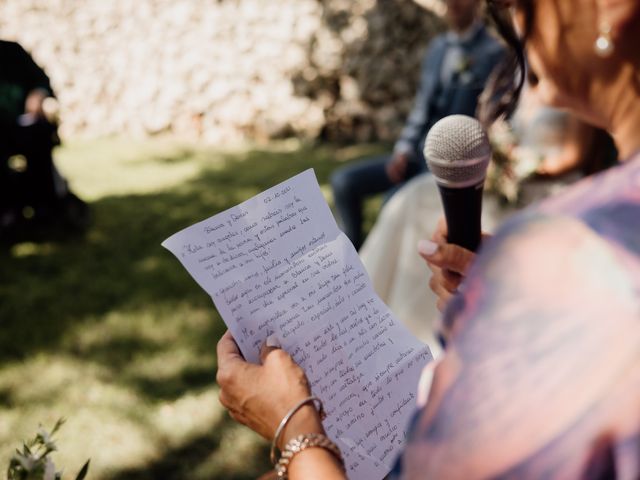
(272, 341)
(426, 247)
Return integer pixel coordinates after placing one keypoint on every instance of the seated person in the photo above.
(454, 72)
(540, 152)
(27, 130)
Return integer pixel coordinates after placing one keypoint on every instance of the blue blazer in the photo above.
(435, 101)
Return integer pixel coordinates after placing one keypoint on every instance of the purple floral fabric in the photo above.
(541, 378)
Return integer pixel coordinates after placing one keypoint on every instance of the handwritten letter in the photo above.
(278, 265)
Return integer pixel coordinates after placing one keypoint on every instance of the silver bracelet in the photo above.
(287, 417)
(302, 442)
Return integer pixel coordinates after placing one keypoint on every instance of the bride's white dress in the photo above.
(390, 255)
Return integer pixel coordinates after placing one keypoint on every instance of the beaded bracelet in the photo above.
(300, 443)
(287, 417)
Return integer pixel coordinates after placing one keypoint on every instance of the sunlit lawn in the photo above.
(110, 332)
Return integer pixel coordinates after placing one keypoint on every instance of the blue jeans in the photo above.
(354, 183)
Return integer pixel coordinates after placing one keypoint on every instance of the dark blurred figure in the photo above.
(32, 192)
(454, 71)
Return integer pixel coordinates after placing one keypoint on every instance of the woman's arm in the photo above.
(259, 396)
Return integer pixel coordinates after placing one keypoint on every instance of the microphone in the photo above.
(457, 151)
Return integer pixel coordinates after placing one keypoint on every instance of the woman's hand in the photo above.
(448, 263)
(259, 396)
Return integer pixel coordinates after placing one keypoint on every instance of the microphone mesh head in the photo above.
(457, 151)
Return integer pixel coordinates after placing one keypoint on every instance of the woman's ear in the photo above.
(618, 15)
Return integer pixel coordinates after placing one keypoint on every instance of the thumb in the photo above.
(269, 345)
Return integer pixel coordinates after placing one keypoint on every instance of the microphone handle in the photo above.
(462, 210)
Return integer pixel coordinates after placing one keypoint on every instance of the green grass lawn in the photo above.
(109, 331)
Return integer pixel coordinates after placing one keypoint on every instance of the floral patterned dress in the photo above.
(541, 378)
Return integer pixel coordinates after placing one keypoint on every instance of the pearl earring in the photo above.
(604, 43)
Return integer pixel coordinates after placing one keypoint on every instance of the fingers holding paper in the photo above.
(259, 396)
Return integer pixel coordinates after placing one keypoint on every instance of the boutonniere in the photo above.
(463, 69)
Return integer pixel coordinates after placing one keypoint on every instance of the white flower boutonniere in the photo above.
(463, 70)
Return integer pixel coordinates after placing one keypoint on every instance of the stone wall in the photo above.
(227, 70)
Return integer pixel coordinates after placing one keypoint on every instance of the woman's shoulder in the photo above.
(608, 203)
(559, 261)
(618, 184)
(544, 297)
(537, 245)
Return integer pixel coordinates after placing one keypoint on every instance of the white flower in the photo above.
(527, 163)
(466, 78)
(47, 441)
(28, 462)
(49, 470)
(33, 461)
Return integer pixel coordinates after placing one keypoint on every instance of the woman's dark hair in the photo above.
(500, 97)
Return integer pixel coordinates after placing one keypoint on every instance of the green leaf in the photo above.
(58, 424)
(83, 471)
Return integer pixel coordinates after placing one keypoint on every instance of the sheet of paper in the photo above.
(278, 265)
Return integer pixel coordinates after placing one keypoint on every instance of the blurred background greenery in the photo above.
(108, 330)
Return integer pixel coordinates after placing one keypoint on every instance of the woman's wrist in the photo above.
(301, 434)
(305, 420)
(316, 464)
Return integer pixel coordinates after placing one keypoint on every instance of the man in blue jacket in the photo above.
(454, 71)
